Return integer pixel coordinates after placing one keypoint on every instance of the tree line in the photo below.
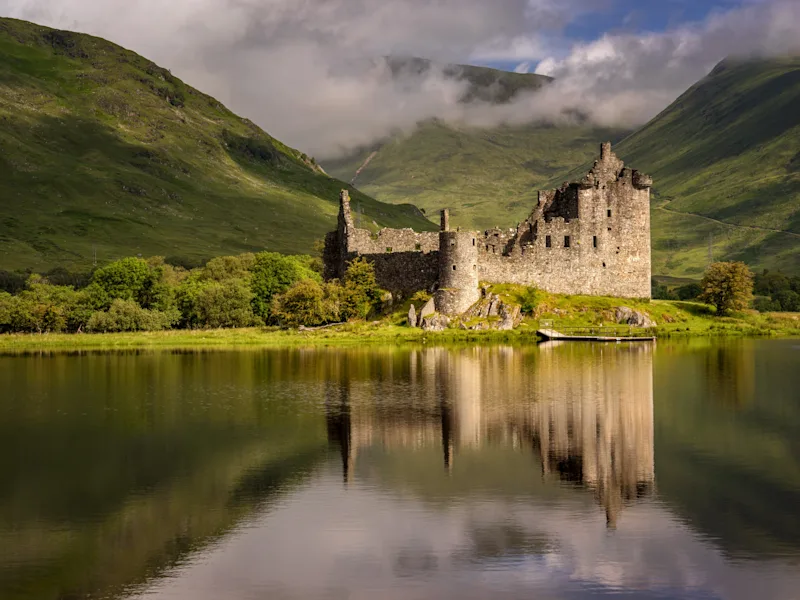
(768, 291)
(136, 294)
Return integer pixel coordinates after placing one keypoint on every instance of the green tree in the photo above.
(205, 303)
(788, 300)
(48, 308)
(302, 304)
(727, 286)
(361, 294)
(272, 274)
(125, 279)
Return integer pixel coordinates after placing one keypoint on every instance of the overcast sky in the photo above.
(296, 66)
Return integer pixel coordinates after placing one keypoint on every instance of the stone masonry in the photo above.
(590, 237)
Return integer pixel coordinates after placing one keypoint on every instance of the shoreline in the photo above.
(346, 335)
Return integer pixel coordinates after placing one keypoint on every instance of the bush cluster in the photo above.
(776, 292)
(135, 294)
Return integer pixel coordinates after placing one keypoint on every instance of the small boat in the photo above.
(591, 334)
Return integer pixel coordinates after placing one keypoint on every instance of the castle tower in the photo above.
(458, 270)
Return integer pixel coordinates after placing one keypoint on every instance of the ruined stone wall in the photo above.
(591, 237)
(604, 250)
(405, 261)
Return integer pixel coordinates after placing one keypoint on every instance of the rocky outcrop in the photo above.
(426, 311)
(493, 314)
(435, 322)
(625, 315)
(510, 316)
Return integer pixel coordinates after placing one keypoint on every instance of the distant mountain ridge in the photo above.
(105, 154)
(483, 83)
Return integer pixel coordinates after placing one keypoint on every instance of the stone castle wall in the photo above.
(405, 261)
(590, 237)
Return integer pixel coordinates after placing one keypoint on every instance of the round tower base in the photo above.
(453, 302)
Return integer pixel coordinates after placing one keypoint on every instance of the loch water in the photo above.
(668, 470)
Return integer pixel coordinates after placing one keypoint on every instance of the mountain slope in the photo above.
(102, 151)
(725, 158)
(486, 176)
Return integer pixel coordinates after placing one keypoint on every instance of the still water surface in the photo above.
(563, 471)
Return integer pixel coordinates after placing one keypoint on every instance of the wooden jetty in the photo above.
(591, 334)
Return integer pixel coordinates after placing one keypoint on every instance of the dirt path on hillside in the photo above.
(753, 227)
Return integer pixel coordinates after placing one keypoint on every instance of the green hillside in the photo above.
(103, 151)
(486, 177)
(726, 161)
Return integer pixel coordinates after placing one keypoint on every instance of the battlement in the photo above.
(587, 237)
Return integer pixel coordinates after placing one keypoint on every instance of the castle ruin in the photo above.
(590, 237)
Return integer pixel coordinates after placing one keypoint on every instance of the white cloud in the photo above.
(309, 71)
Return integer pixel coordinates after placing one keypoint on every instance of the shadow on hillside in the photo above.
(761, 126)
(695, 308)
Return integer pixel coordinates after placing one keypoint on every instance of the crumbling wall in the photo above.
(589, 238)
(405, 261)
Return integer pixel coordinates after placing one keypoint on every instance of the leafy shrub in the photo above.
(307, 302)
(765, 304)
(127, 315)
(215, 304)
(360, 293)
(230, 267)
(690, 291)
(46, 308)
(788, 300)
(273, 274)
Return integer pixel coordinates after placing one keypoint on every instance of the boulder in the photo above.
(426, 311)
(510, 317)
(435, 322)
(627, 316)
(412, 316)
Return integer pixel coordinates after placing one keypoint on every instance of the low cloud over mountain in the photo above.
(307, 72)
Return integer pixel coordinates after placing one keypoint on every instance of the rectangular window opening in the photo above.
(418, 246)
(388, 249)
(594, 241)
(548, 242)
(454, 267)
(608, 212)
(566, 241)
(473, 241)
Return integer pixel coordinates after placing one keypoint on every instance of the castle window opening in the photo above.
(548, 242)
(452, 242)
(594, 241)
(454, 267)
(418, 246)
(604, 265)
(388, 249)
(566, 241)
(608, 213)
(473, 241)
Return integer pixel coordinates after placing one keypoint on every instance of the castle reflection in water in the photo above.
(585, 417)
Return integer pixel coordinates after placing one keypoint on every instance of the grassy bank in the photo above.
(674, 319)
